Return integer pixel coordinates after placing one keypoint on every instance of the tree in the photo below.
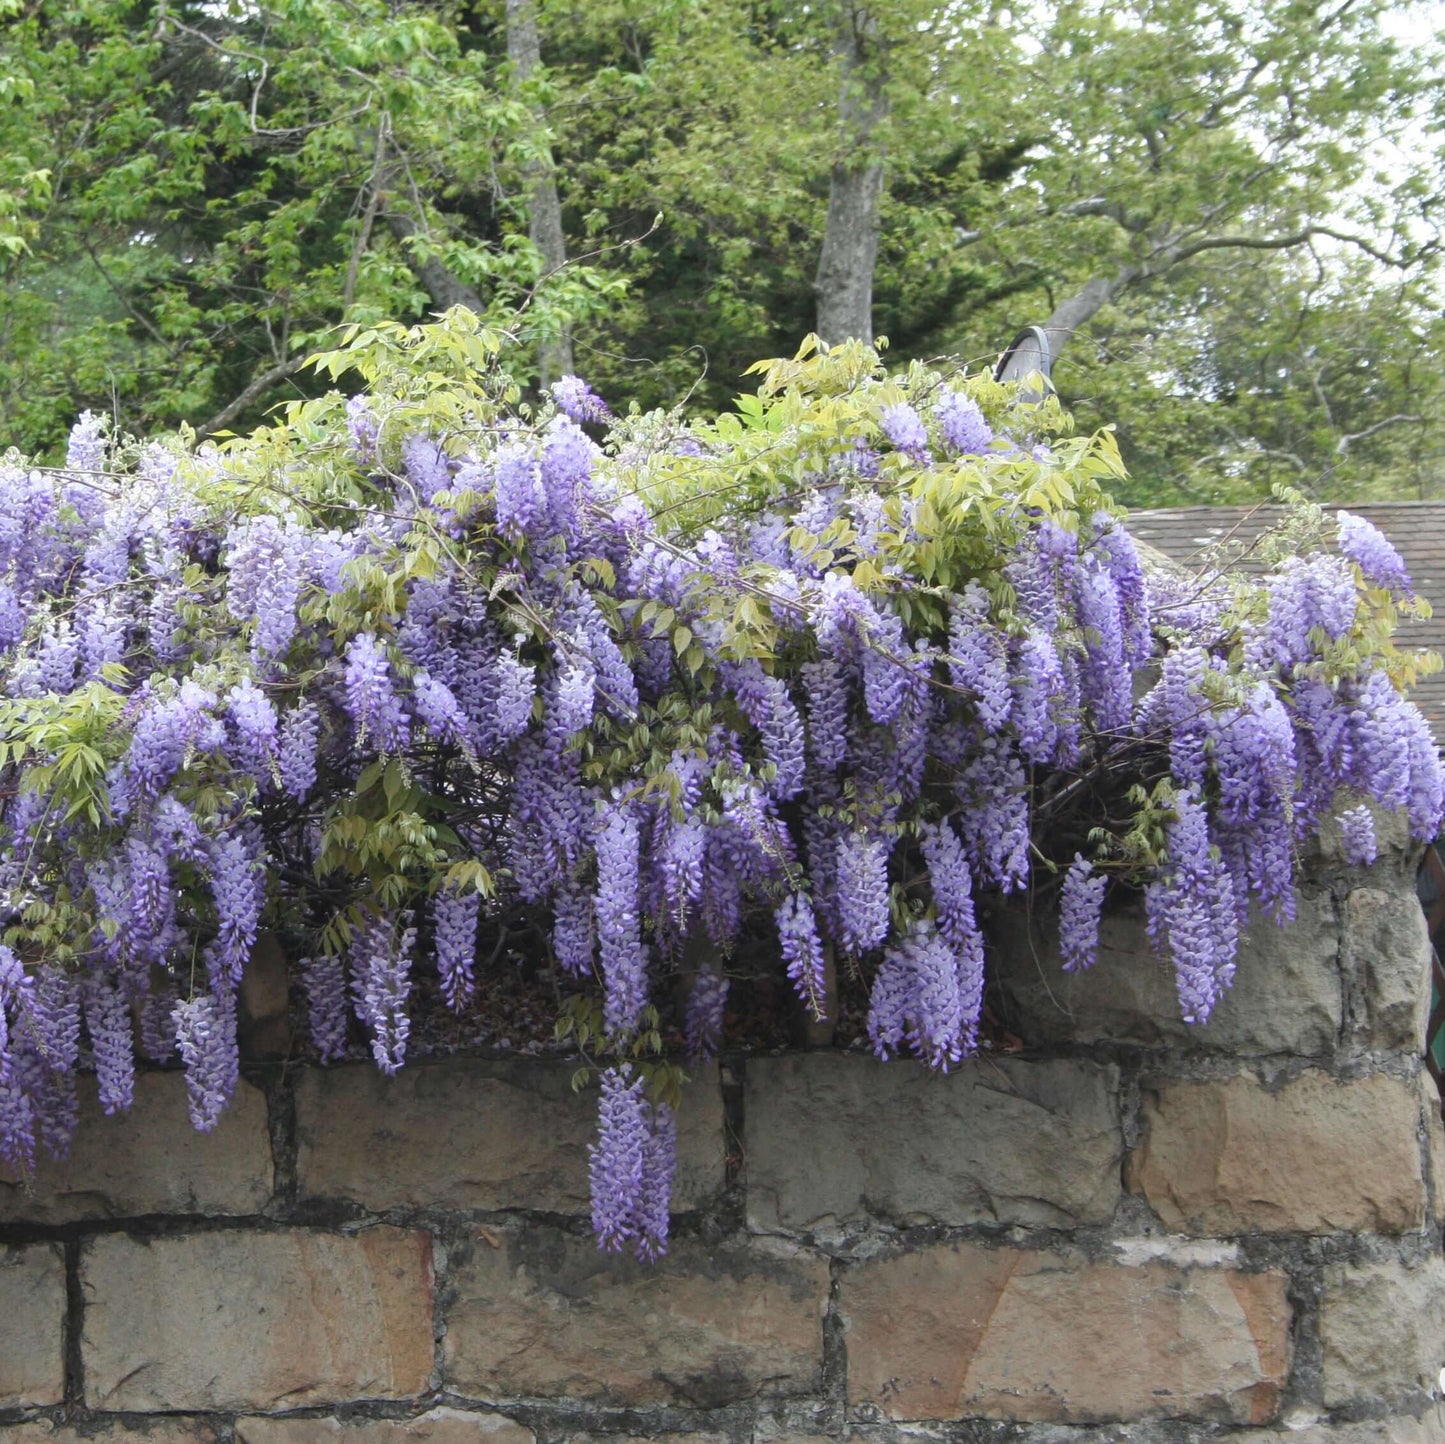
(204, 193)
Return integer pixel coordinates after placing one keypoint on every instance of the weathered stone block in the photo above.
(1317, 1155)
(1401, 1429)
(1287, 995)
(834, 1138)
(541, 1312)
(476, 1133)
(962, 1330)
(1383, 1331)
(242, 1320)
(150, 1160)
(1386, 955)
(437, 1426)
(1434, 1126)
(32, 1326)
(112, 1431)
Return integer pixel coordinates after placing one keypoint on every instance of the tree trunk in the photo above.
(844, 283)
(1081, 307)
(445, 289)
(544, 210)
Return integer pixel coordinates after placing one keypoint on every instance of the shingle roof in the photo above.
(1417, 529)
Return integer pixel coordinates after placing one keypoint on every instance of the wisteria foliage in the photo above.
(834, 667)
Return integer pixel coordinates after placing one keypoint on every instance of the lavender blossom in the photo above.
(826, 685)
(962, 424)
(362, 426)
(803, 952)
(1308, 594)
(208, 1048)
(617, 1162)
(238, 885)
(1373, 552)
(1190, 908)
(54, 1014)
(1357, 831)
(978, 657)
(574, 930)
(576, 399)
(1039, 692)
(517, 482)
(1080, 903)
(455, 914)
(904, 429)
(373, 704)
(706, 1005)
(380, 984)
(108, 1022)
(619, 930)
(324, 979)
(659, 1164)
(296, 750)
(861, 891)
(426, 467)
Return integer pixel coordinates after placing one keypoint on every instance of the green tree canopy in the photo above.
(1222, 208)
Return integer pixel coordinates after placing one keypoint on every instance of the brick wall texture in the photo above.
(1126, 1233)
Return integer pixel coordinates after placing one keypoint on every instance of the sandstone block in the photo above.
(437, 1426)
(1383, 1331)
(540, 1312)
(476, 1133)
(150, 1160)
(1318, 1155)
(961, 1330)
(1287, 995)
(834, 1138)
(32, 1325)
(1401, 1429)
(1434, 1126)
(1386, 955)
(242, 1320)
(112, 1431)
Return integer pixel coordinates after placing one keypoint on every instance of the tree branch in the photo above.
(1173, 255)
(1399, 419)
(257, 387)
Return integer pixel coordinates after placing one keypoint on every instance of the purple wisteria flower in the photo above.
(380, 985)
(206, 1036)
(455, 914)
(107, 1019)
(1374, 553)
(370, 698)
(324, 979)
(617, 1161)
(803, 952)
(962, 424)
(706, 1005)
(1357, 833)
(576, 399)
(978, 657)
(1080, 903)
(619, 929)
(905, 430)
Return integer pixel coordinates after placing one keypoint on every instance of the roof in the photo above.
(1417, 528)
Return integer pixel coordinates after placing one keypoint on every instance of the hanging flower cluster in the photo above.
(837, 665)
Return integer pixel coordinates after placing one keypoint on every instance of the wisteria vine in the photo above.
(834, 668)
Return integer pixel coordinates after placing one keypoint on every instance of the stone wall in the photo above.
(1126, 1231)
